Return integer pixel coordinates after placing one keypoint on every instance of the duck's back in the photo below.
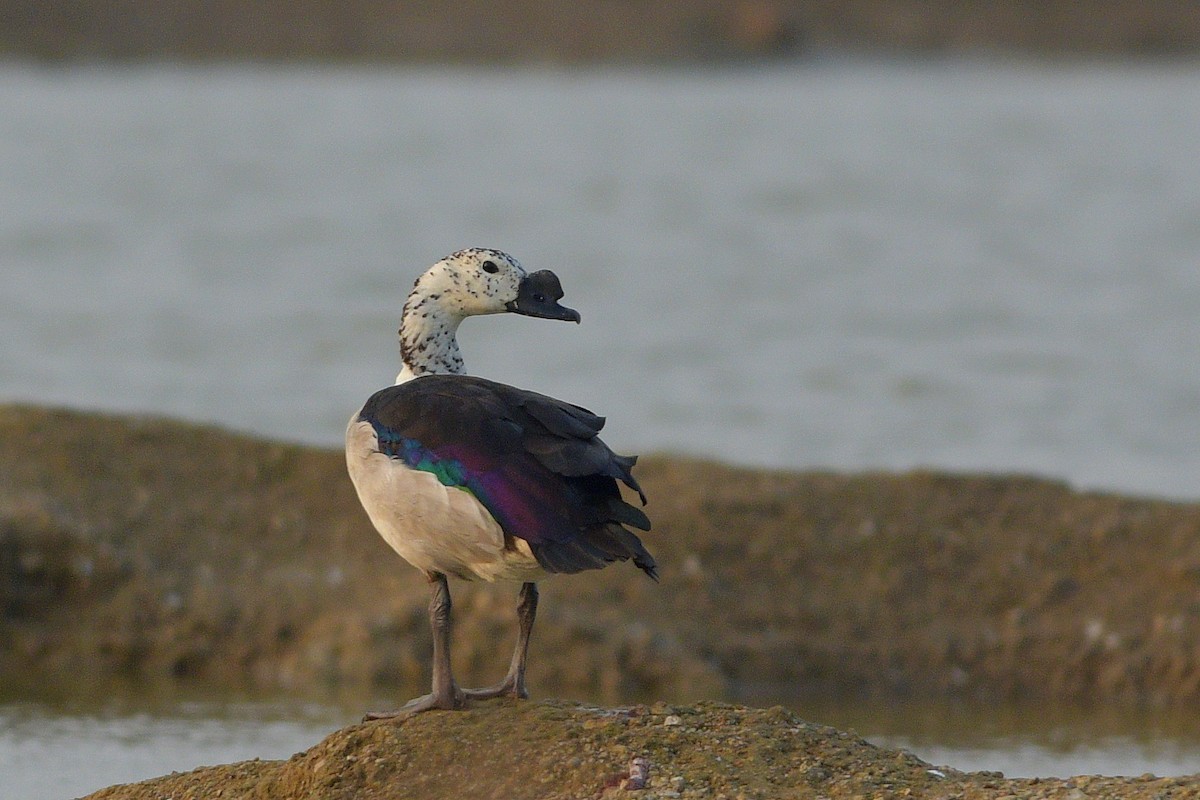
(475, 478)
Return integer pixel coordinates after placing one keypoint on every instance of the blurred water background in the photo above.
(844, 264)
(848, 264)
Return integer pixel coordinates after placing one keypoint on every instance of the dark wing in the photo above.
(534, 462)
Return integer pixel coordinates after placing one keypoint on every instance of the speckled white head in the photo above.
(468, 283)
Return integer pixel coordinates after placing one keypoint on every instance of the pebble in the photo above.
(639, 774)
(673, 719)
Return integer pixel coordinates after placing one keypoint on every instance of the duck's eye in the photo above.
(490, 267)
(539, 298)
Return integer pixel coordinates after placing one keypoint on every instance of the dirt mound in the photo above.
(552, 750)
(169, 552)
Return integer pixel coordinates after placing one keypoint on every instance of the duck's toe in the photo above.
(429, 702)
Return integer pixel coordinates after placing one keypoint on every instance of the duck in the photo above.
(474, 479)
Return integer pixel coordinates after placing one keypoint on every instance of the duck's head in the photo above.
(479, 280)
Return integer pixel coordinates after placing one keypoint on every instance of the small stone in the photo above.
(673, 719)
(639, 774)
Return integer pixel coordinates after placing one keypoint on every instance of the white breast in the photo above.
(434, 527)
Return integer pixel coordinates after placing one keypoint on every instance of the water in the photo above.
(1026, 741)
(975, 266)
(53, 753)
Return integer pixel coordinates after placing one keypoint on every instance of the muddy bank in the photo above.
(540, 31)
(551, 750)
(172, 553)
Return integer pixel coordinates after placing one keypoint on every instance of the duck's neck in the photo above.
(427, 339)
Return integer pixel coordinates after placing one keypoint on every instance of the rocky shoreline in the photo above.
(164, 552)
(172, 554)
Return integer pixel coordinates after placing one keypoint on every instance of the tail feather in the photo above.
(620, 511)
(597, 547)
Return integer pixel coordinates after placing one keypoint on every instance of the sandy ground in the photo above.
(567, 751)
(176, 555)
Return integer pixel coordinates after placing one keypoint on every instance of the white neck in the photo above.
(427, 339)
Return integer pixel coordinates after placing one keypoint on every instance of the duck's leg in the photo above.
(445, 694)
(514, 682)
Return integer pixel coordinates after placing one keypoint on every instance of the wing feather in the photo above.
(535, 463)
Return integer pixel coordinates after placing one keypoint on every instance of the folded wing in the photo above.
(535, 463)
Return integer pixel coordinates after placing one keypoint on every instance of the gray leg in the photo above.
(526, 612)
(445, 694)
(514, 682)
